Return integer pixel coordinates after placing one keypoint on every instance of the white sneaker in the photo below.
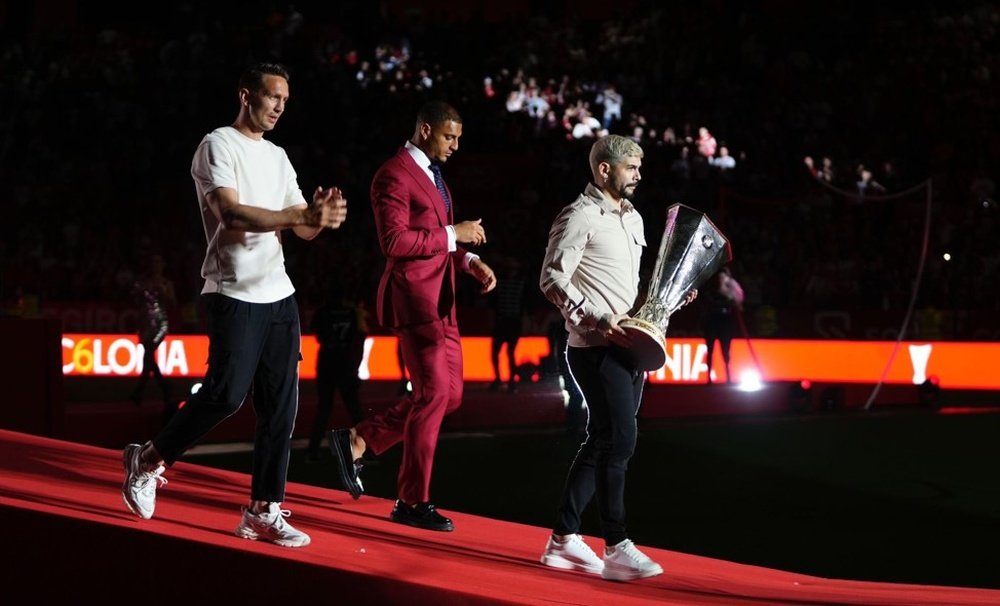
(572, 554)
(271, 526)
(624, 562)
(139, 488)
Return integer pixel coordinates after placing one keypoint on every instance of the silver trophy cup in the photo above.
(692, 251)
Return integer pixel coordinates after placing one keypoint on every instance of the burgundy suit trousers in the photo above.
(432, 353)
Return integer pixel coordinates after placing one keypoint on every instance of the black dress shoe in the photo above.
(349, 468)
(421, 515)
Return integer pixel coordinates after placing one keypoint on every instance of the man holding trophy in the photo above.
(591, 274)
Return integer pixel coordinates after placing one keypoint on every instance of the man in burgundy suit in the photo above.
(416, 300)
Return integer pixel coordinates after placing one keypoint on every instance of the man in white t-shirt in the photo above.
(247, 194)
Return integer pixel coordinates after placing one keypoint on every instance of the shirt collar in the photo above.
(594, 193)
(418, 155)
(420, 158)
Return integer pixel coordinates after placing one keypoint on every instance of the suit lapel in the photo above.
(417, 174)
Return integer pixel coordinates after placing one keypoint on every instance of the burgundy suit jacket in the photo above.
(418, 283)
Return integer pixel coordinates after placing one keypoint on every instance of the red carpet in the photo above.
(68, 536)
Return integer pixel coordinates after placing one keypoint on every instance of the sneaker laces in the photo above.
(274, 517)
(568, 541)
(629, 549)
(279, 519)
(144, 480)
(577, 540)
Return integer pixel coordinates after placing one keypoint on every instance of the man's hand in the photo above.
(484, 274)
(329, 208)
(608, 326)
(690, 297)
(470, 232)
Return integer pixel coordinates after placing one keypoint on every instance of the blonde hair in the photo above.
(613, 149)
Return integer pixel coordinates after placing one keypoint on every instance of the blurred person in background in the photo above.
(508, 316)
(340, 327)
(723, 302)
(154, 295)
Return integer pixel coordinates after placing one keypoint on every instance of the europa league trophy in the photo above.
(691, 252)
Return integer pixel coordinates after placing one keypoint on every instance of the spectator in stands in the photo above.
(706, 142)
(637, 134)
(723, 161)
(537, 108)
(827, 173)
(811, 167)
(612, 101)
(889, 177)
(586, 126)
(866, 184)
(516, 100)
(669, 136)
(680, 174)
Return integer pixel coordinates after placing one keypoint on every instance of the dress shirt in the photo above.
(424, 163)
(591, 266)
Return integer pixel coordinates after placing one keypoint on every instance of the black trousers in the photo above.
(254, 349)
(612, 389)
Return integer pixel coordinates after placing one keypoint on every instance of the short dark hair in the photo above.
(253, 77)
(437, 112)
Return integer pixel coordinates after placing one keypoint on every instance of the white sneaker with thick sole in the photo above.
(139, 488)
(272, 527)
(624, 562)
(572, 554)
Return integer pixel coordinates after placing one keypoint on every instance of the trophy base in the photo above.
(649, 350)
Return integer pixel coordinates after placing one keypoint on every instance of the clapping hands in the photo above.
(329, 208)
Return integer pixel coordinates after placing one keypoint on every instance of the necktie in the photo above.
(439, 183)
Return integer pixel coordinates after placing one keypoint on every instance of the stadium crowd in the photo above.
(104, 110)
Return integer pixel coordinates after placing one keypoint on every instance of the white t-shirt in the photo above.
(244, 265)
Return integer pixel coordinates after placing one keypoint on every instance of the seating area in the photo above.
(761, 84)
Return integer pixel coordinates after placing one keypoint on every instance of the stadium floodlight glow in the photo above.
(750, 381)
